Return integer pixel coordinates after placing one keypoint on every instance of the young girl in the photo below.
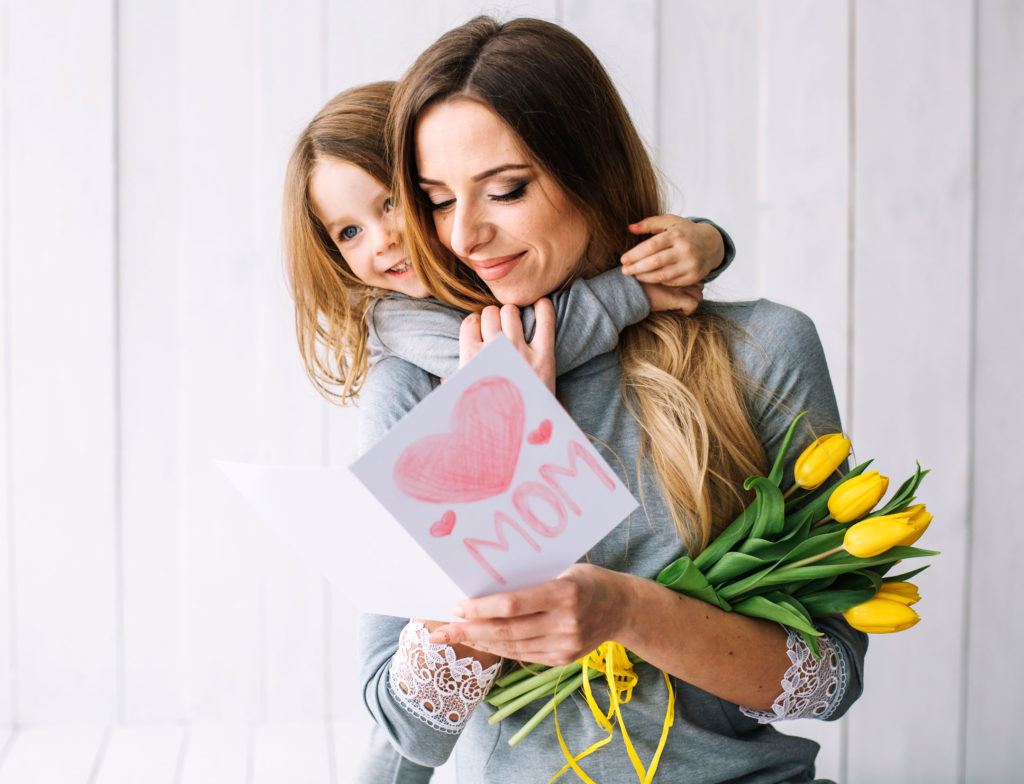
(355, 289)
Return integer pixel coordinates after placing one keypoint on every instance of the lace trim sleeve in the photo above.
(811, 688)
(431, 683)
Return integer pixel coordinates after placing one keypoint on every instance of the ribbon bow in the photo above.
(613, 660)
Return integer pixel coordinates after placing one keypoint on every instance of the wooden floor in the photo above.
(306, 752)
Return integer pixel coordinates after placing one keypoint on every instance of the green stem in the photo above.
(530, 685)
(563, 693)
(513, 677)
(822, 521)
(790, 492)
(811, 559)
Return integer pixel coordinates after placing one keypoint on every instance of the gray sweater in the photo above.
(711, 741)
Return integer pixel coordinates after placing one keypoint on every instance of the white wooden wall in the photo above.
(866, 156)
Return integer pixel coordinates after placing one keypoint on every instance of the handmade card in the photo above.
(493, 479)
(487, 485)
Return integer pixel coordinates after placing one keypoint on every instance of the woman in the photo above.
(517, 167)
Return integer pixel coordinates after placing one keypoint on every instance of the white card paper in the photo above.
(337, 525)
(493, 478)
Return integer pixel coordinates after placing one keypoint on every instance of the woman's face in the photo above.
(357, 212)
(494, 207)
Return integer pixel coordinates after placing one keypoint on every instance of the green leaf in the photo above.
(771, 513)
(733, 565)
(902, 578)
(904, 495)
(775, 475)
(812, 643)
(723, 543)
(812, 586)
(836, 602)
(746, 585)
(683, 576)
(815, 545)
(762, 607)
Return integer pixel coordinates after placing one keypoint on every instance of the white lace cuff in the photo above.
(432, 684)
(811, 688)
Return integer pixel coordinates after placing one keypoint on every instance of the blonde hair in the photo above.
(331, 302)
(679, 378)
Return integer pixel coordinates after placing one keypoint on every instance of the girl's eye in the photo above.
(515, 194)
(349, 232)
(389, 204)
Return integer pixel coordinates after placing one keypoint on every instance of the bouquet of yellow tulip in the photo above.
(787, 558)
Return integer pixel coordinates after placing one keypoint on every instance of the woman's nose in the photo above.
(469, 230)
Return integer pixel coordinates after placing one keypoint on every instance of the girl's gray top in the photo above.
(711, 741)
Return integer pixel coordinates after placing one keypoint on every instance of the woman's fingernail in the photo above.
(458, 611)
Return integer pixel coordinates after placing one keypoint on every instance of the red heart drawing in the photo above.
(542, 434)
(444, 526)
(477, 459)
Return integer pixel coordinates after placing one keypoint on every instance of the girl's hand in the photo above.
(680, 253)
(553, 623)
(479, 328)
(683, 300)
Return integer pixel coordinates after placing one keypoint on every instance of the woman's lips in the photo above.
(496, 268)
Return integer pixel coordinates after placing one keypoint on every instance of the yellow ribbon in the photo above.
(612, 660)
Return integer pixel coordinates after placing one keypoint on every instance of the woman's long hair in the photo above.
(331, 302)
(679, 378)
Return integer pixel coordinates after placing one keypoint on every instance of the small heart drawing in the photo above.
(542, 434)
(478, 458)
(444, 526)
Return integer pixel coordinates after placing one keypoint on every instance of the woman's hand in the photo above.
(553, 623)
(479, 328)
(680, 253)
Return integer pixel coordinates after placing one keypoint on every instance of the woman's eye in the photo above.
(440, 205)
(389, 204)
(516, 193)
(349, 232)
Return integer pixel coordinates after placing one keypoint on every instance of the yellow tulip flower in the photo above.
(919, 519)
(875, 535)
(881, 616)
(855, 497)
(902, 592)
(820, 460)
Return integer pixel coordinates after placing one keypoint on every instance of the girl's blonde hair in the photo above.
(331, 302)
(679, 378)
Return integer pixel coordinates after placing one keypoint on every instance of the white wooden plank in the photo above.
(295, 666)
(6, 456)
(911, 357)
(53, 754)
(62, 353)
(994, 684)
(370, 42)
(216, 753)
(284, 753)
(219, 291)
(804, 186)
(708, 128)
(6, 742)
(625, 38)
(134, 754)
(150, 414)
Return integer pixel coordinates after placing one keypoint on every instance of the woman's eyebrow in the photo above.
(482, 175)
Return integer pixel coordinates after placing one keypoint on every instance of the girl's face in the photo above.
(494, 207)
(357, 212)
